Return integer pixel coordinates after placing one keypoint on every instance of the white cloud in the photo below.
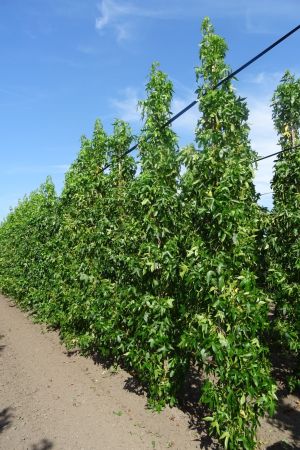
(122, 32)
(106, 15)
(264, 142)
(8, 201)
(112, 12)
(264, 17)
(55, 59)
(185, 124)
(60, 168)
(70, 9)
(266, 79)
(126, 107)
(35, 169)
(86, 49)
(257, 16)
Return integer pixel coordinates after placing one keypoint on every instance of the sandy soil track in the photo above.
(52, 400)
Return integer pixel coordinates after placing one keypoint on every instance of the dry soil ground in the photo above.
(51, 399)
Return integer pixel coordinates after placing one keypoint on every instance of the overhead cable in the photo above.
(216, 86)
(278, 153)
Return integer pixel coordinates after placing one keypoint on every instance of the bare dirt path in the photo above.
(50, 399)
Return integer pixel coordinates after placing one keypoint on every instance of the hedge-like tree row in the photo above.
(161, 268)
(283, 231)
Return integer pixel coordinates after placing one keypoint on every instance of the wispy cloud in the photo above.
(113, 14)
(257, 16)
(119, 15)
(22, 97)
(86, 49)
(266, 78)
(70, 9)
(54, 59)
(27, 93)
(112, 11)
(263, 17)
(7, 202)
(185, 125)
(264, 141)
(35, 169)
(125, 107)
(123, 32)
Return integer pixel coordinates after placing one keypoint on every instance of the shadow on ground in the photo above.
(188, 403)
(44, 444)
(6, 416)
(282, 446)
(286, 420)
(287, 417)
(2, 347)
(133, 385)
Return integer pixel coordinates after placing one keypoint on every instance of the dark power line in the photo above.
(222, 81)
(278, 153)
(266, 193)
(235, 72)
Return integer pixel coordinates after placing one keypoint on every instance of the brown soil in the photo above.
(54, 399)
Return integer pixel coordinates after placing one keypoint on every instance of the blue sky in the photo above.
(66, 62)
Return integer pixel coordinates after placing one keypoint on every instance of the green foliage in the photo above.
(284, 227)
(26, 259)
(150, 252)
(227, 311)
(90, 261)
(160, 268)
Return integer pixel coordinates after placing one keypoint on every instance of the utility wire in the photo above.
(278, 153)
(222, 81)
(266, 193)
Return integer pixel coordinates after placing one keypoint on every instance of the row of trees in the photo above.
(163, 269)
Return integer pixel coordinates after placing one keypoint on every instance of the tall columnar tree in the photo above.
(150, 274)
(156, 187)
(284, 229)
(84, 175)
(122, 172)
(80, 210)
(94, 257)
(227, 310)
(102, 308)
